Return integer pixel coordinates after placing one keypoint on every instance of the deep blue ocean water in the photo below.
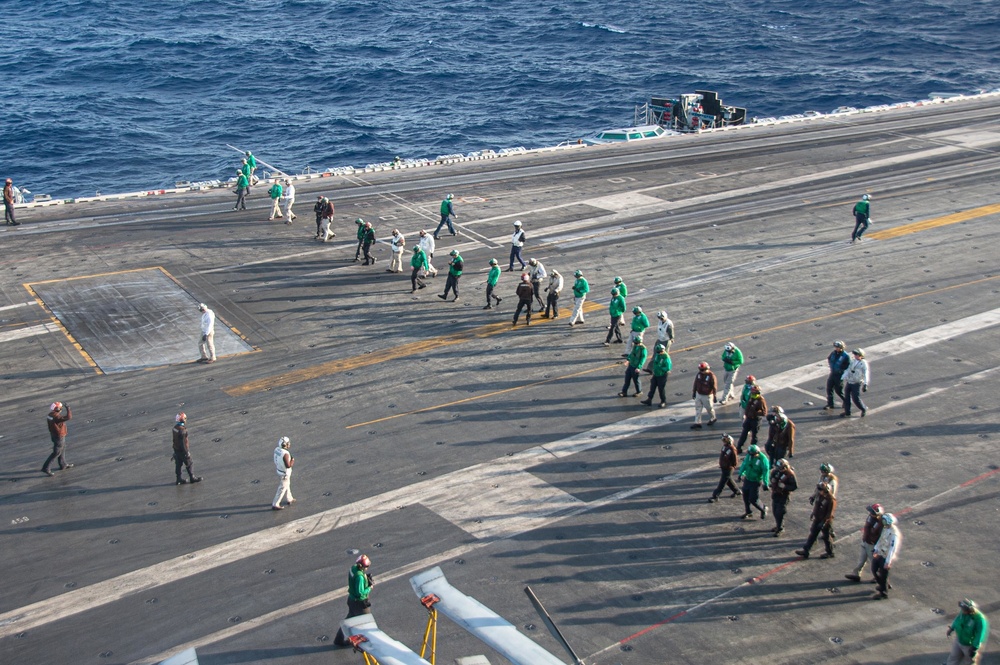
(117, 95)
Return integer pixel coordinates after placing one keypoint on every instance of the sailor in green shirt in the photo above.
(252, 163)
(633, 369)
(359, 588)
(732, 358)
(862, 218)
(971, 630)
(247, 170)
(580, 290)
(639, 324)
(623, 290)
(661, 368)
(754, 471)
(491, 283)
(455, 267)
(367, 240)
(242, 185)
(361, 237)
(616, 308)
(417, 263)
(275, 193)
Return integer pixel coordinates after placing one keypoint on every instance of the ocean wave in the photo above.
(601, 26)
(130, 99)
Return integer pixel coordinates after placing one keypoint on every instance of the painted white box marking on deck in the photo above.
(623, 201)
(495, 501)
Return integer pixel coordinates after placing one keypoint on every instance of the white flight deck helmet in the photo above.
(865, 197)
(517, 223)
(284, 442)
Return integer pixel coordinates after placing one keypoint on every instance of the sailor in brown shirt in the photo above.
(182, 451)
(57, 431)
(703, 394)
(870, 533)
(780, 435)
(755, 410)
(822, 522)
(729, 459)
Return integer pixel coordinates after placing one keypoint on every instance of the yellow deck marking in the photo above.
(934, 223)
(58, 323)
(402, 351)
(713, 342)
(395, 353)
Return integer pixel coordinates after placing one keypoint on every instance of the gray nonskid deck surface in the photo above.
(430, 433)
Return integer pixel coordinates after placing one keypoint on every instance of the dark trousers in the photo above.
(750, 426)
(445, 219)
(451, 284)
(613, 330)
(515, 253)
(860, 226)
(881, 573)
(8, 213)
(357, 251)
(415, 279)
(241, 198)
(489, 294)
(834, 384)
(632, 376)
(751, 495)
(552, 303)
(183, 460)
(726, 480)
(58, 453)
(366, 248)
(852, 393)
(536, 287)
(526, 306)
(779, 506)
(355, 608)
(658, 383)
(815, 530)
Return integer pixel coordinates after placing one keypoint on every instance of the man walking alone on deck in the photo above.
(491, 284)
(516, 243)
(8, 203)
(862, 218)
(206, 346)
(447, 212)
(57, 432)
(283, 463)
(182, 450)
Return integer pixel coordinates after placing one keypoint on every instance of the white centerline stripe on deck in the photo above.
(172, 570)
(20, 304)
(30, 331)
